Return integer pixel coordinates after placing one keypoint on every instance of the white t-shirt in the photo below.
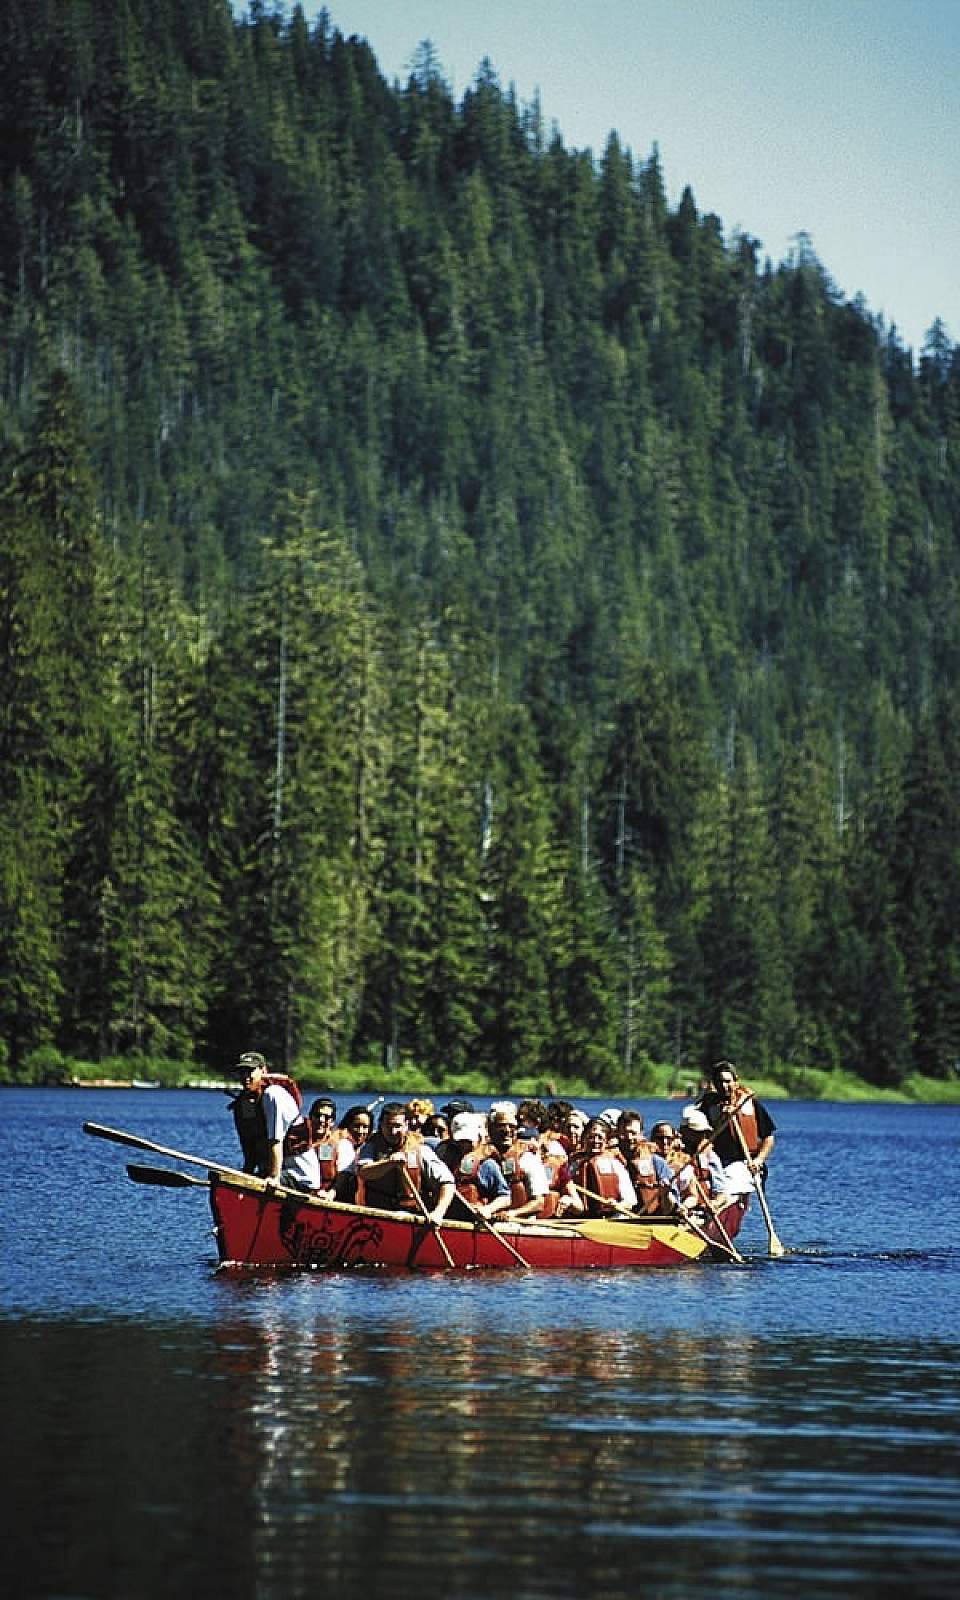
(346, 1153)
(738, 1178)
(535, 1175)
(281, 1112)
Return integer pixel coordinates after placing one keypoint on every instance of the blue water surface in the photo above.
(787, 1426)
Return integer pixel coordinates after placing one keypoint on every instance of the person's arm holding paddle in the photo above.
(440, 1179)
(752, 1128)
(742, 1127)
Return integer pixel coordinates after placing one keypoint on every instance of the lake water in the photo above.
(781, 1428)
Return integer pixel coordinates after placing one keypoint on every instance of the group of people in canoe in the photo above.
(525, 1161)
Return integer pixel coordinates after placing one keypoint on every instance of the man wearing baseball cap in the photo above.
(481, 1185)
(276, 1137)
(701, 1177)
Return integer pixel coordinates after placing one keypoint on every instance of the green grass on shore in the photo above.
(362, 1082)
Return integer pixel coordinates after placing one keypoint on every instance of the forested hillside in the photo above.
(455, 607)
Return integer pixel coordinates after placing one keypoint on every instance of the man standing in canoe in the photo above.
(275, 1136)
(744, 1127)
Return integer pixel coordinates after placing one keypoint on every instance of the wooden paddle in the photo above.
(774, 1247)
(624, 1211)
(163, 1178)
(708, 1203)
(418, 1197)
(118, 1136)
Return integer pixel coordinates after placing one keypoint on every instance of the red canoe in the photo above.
(261, 1225)
(287, 1230)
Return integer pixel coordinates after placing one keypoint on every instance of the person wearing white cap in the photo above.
(701, 1178)
(481, 1185)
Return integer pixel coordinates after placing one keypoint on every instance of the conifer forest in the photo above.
(456, 607)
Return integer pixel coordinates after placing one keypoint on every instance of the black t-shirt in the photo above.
(726, 1143)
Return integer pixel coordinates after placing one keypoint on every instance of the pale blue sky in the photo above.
(840, 118)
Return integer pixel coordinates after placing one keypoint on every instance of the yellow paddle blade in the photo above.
(639, 1236)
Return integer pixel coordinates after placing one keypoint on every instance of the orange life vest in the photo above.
(519, 1194)
(600, 1175)
(645, 1180)
(554, 1163)
(466, 1173)
(509, 1160)
(326, 1154)
(695, 1170)
(747, 1118)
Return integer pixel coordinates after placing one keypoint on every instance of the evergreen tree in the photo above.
(520, 883)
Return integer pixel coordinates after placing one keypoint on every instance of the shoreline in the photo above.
(812, 1087)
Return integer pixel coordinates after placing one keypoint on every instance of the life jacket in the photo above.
(250, 1122)
(746, 1115)
(388, 1191)
(509, 1160)
(466, 1173)
(645, 1181)
(600, 1176)
(326, 1154)
(747, 1118)
(519, 1194)
(554, 1163)
(695, 1169)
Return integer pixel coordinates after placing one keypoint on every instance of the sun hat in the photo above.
(503, 1110)
(467, 1125)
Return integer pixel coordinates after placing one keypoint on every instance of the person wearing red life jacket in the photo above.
(397, 1174)
(275, 1136)
(700, 1181)
(323, 1126)
(649, 1172)
(730, 1106)
(477, 1173)
(599, 1170)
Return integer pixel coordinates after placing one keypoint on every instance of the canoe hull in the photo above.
(255, 1229)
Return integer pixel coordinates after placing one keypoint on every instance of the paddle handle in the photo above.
(774, 1247)
(486, 1223)
(421, 1203)
(137, 1143)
